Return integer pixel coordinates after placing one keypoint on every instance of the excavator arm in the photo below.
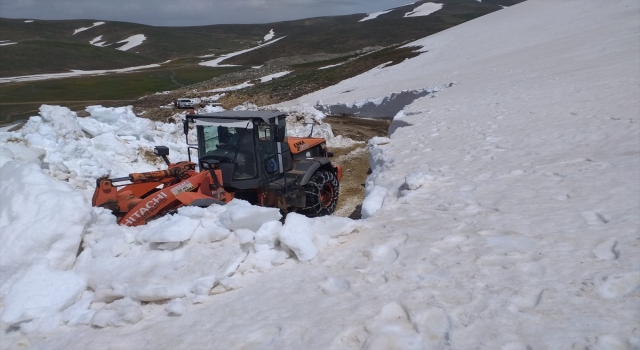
(156, 193)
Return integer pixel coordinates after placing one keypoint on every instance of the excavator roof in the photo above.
(241, 115)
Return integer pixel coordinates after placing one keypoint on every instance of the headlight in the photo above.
(205, 165)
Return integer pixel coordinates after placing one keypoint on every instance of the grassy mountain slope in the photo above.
(51, 46)
(343, 34)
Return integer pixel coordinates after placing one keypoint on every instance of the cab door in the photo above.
(269, 160)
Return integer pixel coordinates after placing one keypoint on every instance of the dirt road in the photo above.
(354, 159)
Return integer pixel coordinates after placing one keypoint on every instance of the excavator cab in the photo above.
(249, 148)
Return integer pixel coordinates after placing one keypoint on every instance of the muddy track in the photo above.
(354, 159)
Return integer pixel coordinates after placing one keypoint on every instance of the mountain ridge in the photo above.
(65, 50)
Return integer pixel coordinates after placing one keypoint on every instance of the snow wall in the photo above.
(99, 273)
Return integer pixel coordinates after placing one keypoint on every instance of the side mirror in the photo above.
(162, 151)
(281, 131)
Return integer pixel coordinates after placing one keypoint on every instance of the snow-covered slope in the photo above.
(502, 212)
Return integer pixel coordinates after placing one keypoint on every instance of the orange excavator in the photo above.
(241, 154)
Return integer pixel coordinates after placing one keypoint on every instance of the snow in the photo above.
(269, 36)
(28, 21)
(331, 66)
(7, 43)
(389, 105)
(8, 127)
(97, 41)
(40, 292)
(73, 73)
(511, 176)
(79, 150)
(244, 85)
(247, 84)
(502, 212)
(374, 15)
(82, 29)
(303, 120)
(131, 42)
(24, 235)
(176, 257)
(424, 9)
(296, 234)
(373, 201)
(274, 76)
(217, 61)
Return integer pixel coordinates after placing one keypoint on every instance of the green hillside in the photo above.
(51, 47)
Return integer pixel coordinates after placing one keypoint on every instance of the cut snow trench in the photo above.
(386, 107)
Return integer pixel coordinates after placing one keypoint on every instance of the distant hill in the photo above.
(52, 47)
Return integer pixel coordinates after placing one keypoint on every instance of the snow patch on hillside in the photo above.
(270, 77)
(270, 35)
(374, 15)
(74, 73)
(424, 10)
(97, 41)
(95, 24)
(244, 85)
(131, 42)
(216, 62)
(331, 66)
(247, 84)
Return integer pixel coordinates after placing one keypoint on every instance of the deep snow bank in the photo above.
(507, 206)
(509, 219)
(183, 257)
(41, 226)
(112, 141)
(96, 272)
(383, 107)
